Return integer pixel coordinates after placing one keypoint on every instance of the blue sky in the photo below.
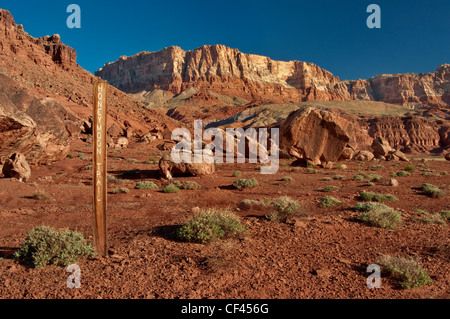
(414, 35)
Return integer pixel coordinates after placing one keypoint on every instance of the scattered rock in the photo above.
(16, 166)
(397, 156)
(394, 182)
(122, 142)
(364, 156)
(381, 147)
(167, 167)
(447, 156)
(195, 210)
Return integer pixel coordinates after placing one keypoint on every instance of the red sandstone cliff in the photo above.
(232, 73)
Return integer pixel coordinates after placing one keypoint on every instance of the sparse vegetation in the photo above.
(237, 173)
(432, 190)
(376, 197)
(190, 185)
(70, 156)
(374, 177)
(329, 201)
(339, 177)
(311, 170)
(359, 177)
(82, 156)
(45, 245)
(145, 185)
(40, 195)
(131, 160)
(409, 168)
(379, 215)
(375, 167)
(403, 174)
(152, 160)
(245, 183)
(170, 188)
(408, 271)
(331, 188)
(210, 225)
(285, 207)
(287, 179)
(121, 190)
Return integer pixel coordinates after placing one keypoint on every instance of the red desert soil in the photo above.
(324, 255)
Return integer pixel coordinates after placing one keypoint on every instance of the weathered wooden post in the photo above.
(99, 167)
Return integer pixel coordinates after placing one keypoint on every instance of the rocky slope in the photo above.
(45, 97)
(228, 72)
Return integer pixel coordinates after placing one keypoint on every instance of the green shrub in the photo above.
(375, 167)
(88, 167)
(359, 177)
(327, 179)
(443, 173)
(408, 271)
(432, 190)
(375, 197)
(339, 177)
(236, 174)
(170, 188)
(285, 207)
(121, 190)
(329, 201)
(403, 173)
(341, 166)
(44, 246)
(379, 215)
(152, 160)
(145, 185)
(82, 156)
(189, 185)
(245, 183)
(311, 170)
(330, 188)
(434, 219)
(445, 214)
(409, 168)
(211, 225)
(287, 179)
(370, 184)
(374, 177)
(295, 169)
(249, 203)
(70, 156)
(131, 160)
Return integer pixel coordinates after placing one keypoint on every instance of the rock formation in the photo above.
(16, 166)
(226, 71)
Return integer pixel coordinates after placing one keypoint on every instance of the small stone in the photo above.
(394, 182)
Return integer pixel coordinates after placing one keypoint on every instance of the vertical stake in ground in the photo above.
(99, 167)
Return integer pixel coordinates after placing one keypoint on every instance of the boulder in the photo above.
(363, 156)
(318, 135)
(397, 156)
(447, 156)
(347, 154)
(122, 142)
(167, 167)
(381, 147)
(16, 166)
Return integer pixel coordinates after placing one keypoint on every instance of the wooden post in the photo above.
(99, 167)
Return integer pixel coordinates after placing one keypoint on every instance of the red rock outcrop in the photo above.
(232, 73)
(320, 136)
(46, 97)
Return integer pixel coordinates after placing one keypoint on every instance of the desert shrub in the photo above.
(330, 188)
(327, 179)
(170, 188)
(249, 203)
(445, 214)
(432, 190)
(379, 215)
(211, 225)
(70, 156)
(311, 170)
(287, 179)
(409, 168)
(121, 190)
(443, 173)
(285, 207)
(370, 184)
(82, 156)
(190, 185)
(131, 160)
(329, 201)
(403, 173)
(145, 185)
(376, 197)
(341, 166)
(295, 169)
(359, 177)
(88, 167)
(434, 219)
(236, 174)
(245, 183)
(374, 177)
(339, 177)
(152, 160)
(375, 167)
(408, 271)
(40, 195)
(45, 245)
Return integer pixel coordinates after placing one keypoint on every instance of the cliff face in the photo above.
(45, 97)
(230, 72)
